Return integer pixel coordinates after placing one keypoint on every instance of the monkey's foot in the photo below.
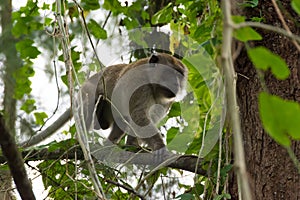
(163, 156)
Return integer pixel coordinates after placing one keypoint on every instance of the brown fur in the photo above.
(141, 100)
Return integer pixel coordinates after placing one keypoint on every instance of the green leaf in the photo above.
(175, 110)
(64, 79)
(90, 4)
(245, 34)
(26, 49)
(75, 55)
(280, 118)
(28, 106)
(39, 117)
(65, 144)
(130, 23)
(251, 3)
(186, 196)
(20, 27)
(238, 19)
(23, 83)
(172, 132)
(222, 196)
(264, 59)
(97, 30)
(296, 6)
(114, 6)
(163, 16)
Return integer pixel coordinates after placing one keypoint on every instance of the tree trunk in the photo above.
(11, 63)
(272, 173)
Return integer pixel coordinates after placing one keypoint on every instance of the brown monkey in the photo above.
(134, 97)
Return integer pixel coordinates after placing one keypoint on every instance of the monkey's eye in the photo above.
(153, 59)
(180, 71)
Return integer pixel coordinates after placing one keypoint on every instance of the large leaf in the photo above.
(28, 106)
(26, 49)
(114, 6)
(39, 117)
(90, 4)
(246, 33)
(280, 118)
(296, 6)
(97, 30)
(23, 83)
(264, 59)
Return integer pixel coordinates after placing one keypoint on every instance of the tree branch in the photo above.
(15, 162)
(230, 82)
(266, 27)
(49, 130)
(286, 27)
(184, 162)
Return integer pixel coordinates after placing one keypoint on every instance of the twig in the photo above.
(126, 188)
(230, 82)
(88, 33)
(92, 44)
(70, 69)
(294, 158)
(284, 23)
(49, 130)
(266, 27)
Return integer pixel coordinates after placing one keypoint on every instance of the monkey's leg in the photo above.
(116, 134)
(132, 141)
(103, 113)
(160, 152)
(155, 142)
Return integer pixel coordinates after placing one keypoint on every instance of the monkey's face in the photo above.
(168, 74)
(147, 88)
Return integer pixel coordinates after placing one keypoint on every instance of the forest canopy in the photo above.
(50, 48)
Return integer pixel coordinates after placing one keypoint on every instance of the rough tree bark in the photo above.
(272, 173)
(12, 62)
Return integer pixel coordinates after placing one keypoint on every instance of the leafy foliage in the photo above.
(245, 34)
(264, 59)
(96, 30)
(199, 21)
(163, 16)
(280, 118)
(69, 179)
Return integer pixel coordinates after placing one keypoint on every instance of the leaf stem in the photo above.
(294, 158)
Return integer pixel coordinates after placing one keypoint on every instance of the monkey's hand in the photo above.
(163, 155)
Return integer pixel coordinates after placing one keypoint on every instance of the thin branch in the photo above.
(49, 130)
(266, 27)
(92, 44)
(88, 33)
(70, 70)
(129, 189)
(53, 180)
(294, 158)
(57, 102)
(230, 81)
(281, 18)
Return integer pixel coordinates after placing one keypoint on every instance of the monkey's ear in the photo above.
(153, 59)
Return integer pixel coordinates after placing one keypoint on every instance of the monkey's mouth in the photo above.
(167, 93)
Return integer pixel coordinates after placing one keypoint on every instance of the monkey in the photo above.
(132, 98)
